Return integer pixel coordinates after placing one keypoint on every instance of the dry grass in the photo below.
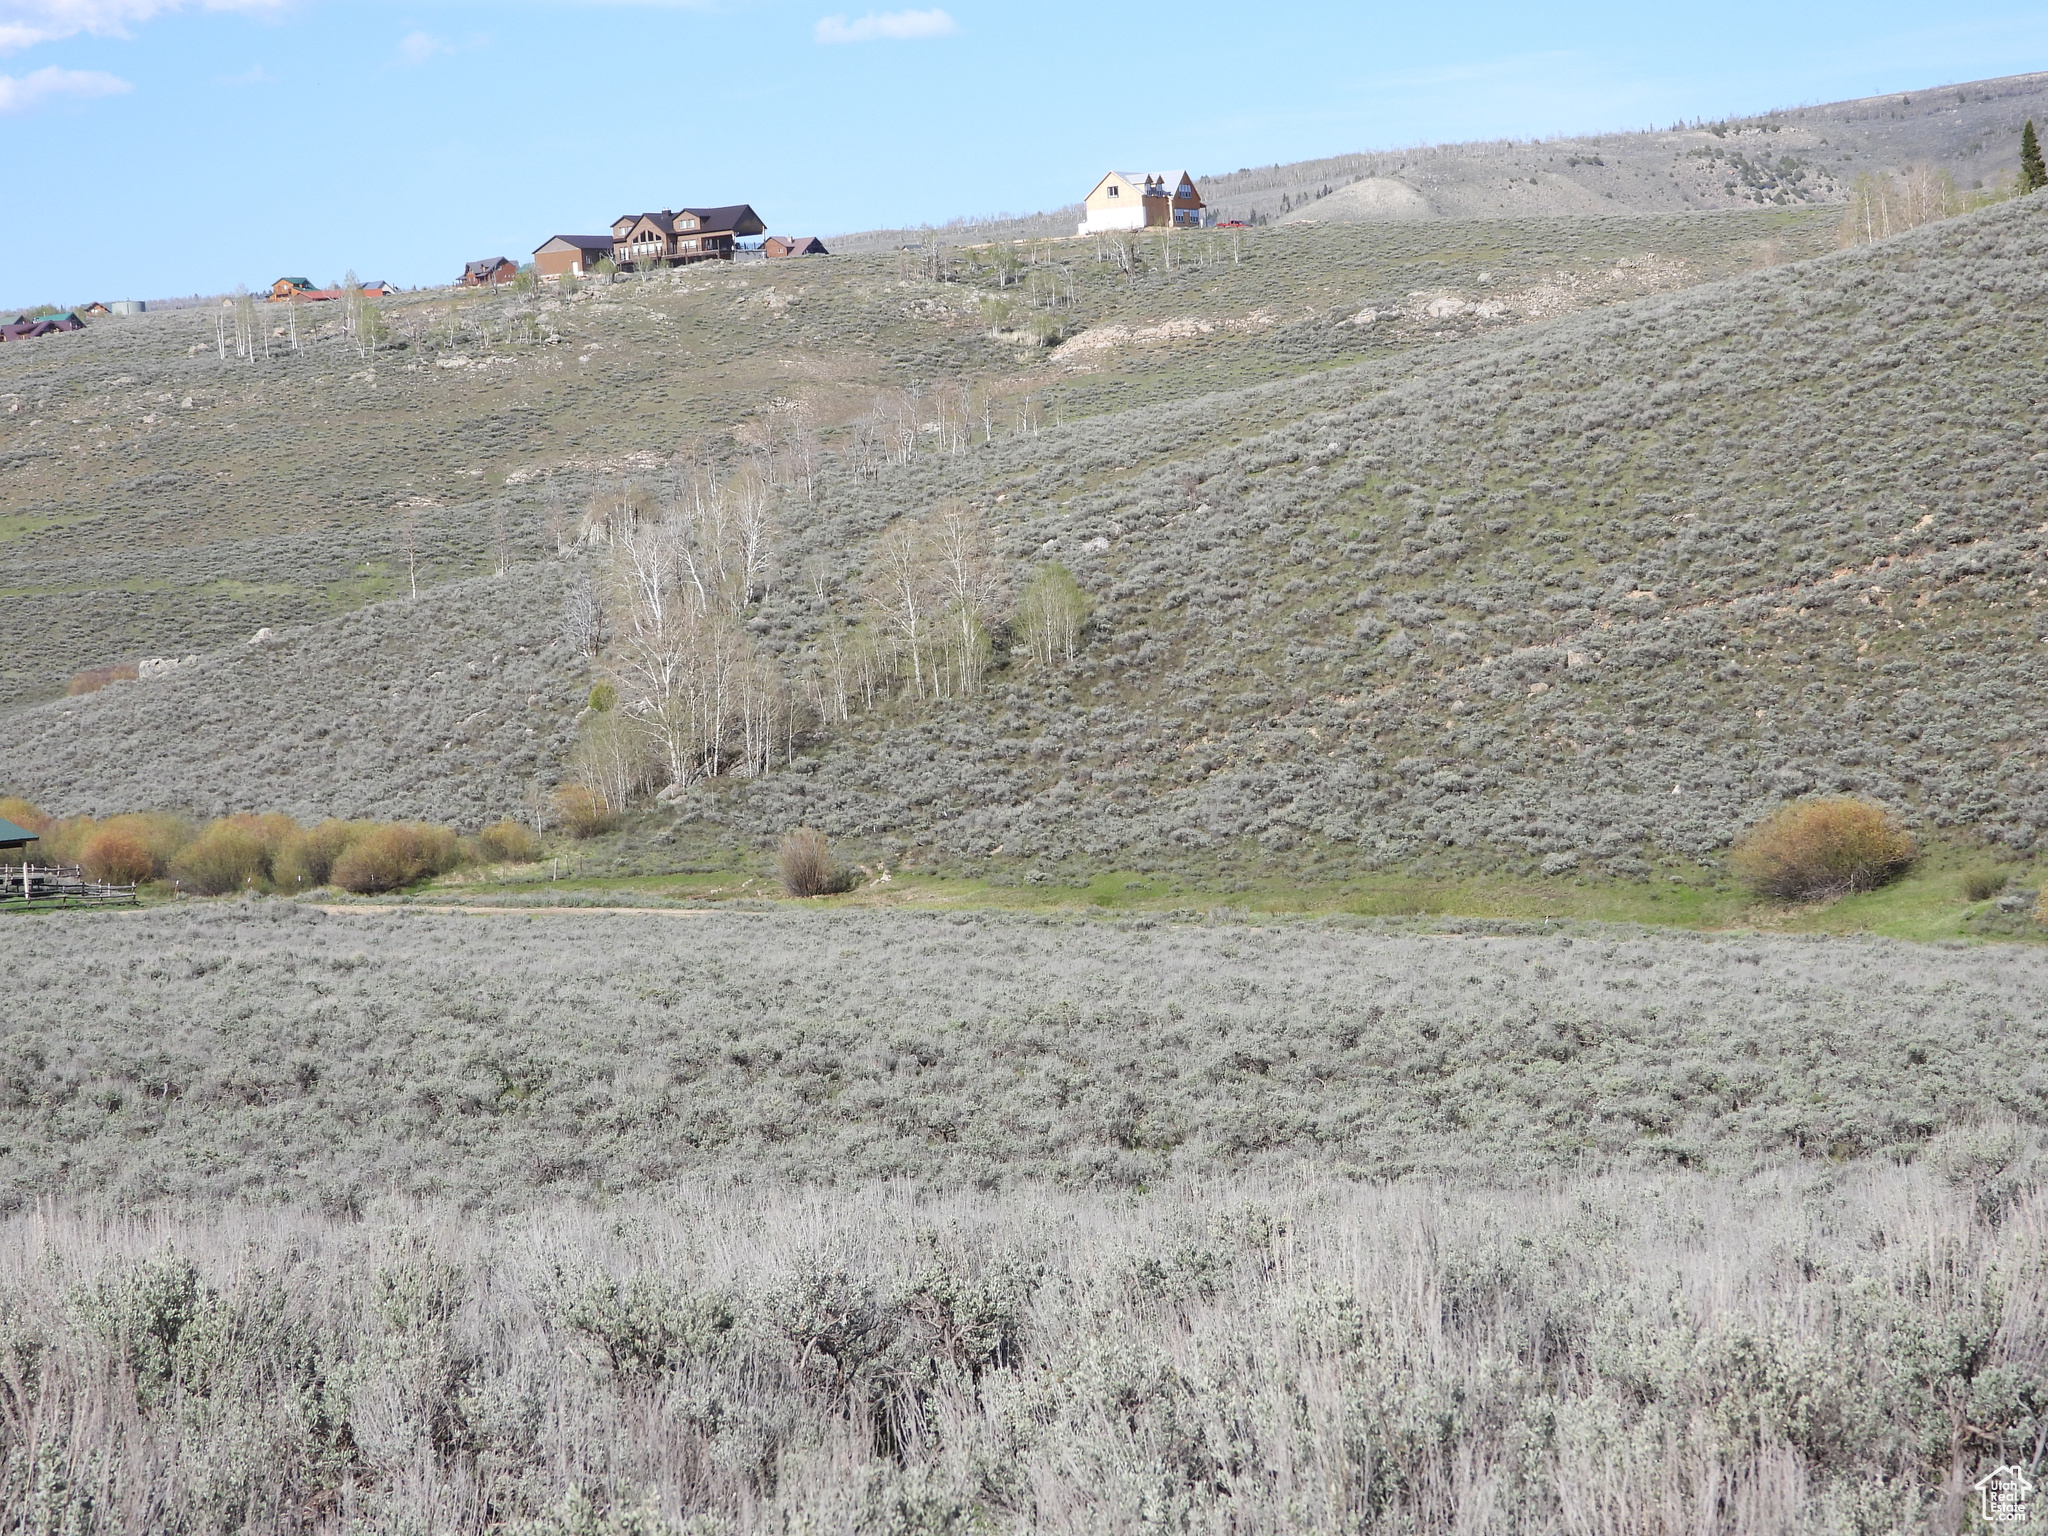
(1827, 847)
(93, 679)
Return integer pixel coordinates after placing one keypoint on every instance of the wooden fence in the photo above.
(58, 885)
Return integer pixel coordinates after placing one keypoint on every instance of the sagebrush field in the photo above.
(404, 1222)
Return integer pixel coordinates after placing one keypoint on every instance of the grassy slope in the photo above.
(1927, 904)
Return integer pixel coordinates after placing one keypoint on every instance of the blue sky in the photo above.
(177, 146)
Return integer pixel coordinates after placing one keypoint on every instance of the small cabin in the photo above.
(793, 245)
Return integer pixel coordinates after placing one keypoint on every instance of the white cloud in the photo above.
(30, 90)
(256, 74)
(24, 23)
(415, 48)
(895, 25)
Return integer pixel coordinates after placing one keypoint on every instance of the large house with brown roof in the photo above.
(676, 236)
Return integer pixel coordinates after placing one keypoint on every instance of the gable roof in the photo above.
(732, 219)
(12, 836)
(488, 265)
(576, 243)
(665, 221)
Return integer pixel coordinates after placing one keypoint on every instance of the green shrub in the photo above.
(508, 842)
(395, 855)
(1983, 884)
(1820, 848)
(804, 865)
(582, 811)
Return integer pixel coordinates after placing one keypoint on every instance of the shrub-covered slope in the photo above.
(265, 1052)
(158, 500)
(1573, 597)
(449, 709)
(1590, 592)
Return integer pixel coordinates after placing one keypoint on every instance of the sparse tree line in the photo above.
(246, 324)
(688, 693)
(1881, 204)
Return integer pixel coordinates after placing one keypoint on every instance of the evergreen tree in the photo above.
(2033, 174)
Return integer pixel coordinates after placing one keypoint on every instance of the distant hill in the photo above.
(1805, 154)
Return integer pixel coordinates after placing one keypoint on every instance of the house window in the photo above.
(1112, 192)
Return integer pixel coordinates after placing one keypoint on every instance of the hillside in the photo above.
(160, 501)
(1582, 594)
(1800, 155)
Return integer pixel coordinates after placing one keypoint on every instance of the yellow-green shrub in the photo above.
(1824, 848)
(163, 833)
(22, 813)
(64, 839)
(583, 811)
(228, 856)
(307, 859)
(388, 857)
(508, 842)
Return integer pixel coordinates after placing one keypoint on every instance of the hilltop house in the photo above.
(676, 236)
(793, 245)
(296, 290)
(490, 272)
(1134, 200)
(571, 255)
(22, 327)
(95, 309)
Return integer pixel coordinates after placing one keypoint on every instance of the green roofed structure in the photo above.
(12, 836)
